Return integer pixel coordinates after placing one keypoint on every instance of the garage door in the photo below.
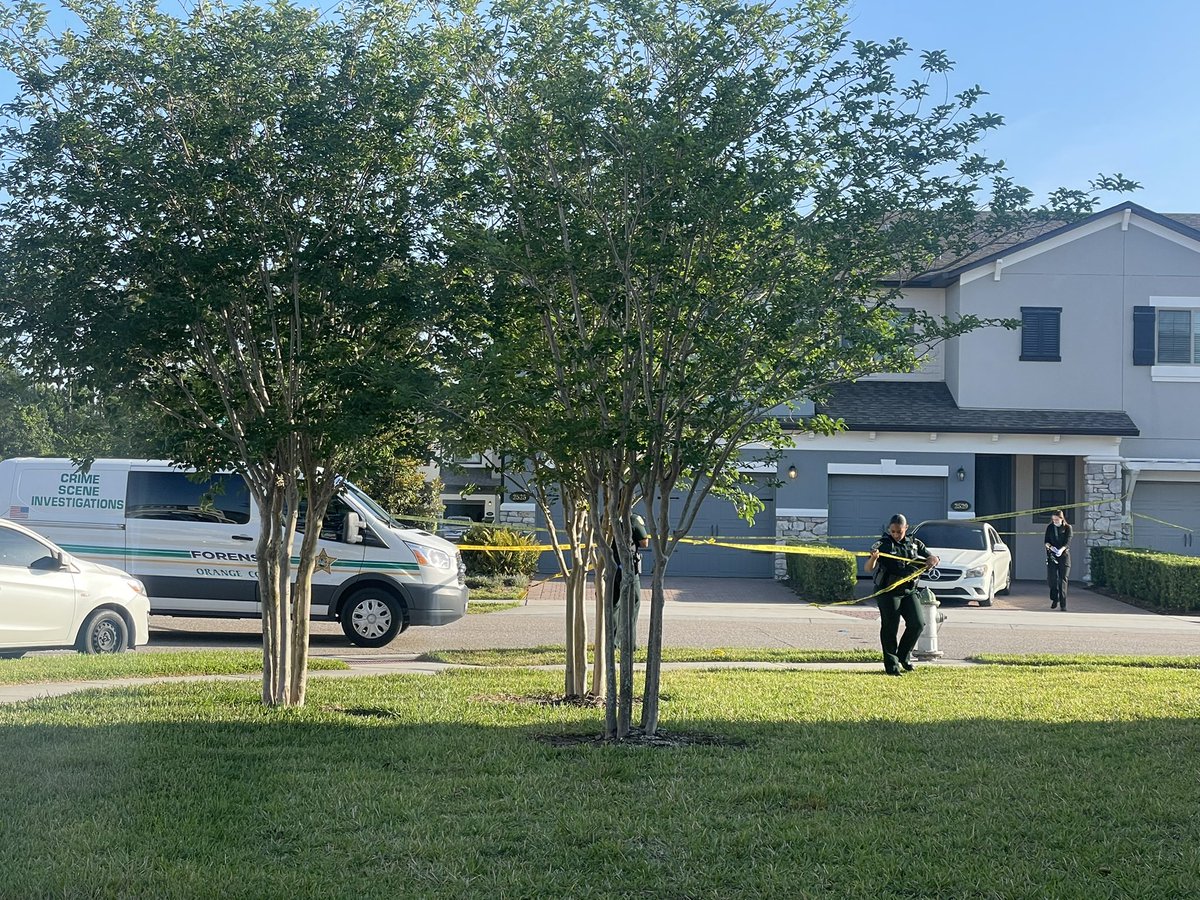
(1168, 502)
(717, 519)
(861, 505)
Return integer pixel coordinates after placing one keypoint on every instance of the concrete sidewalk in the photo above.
(368, 668)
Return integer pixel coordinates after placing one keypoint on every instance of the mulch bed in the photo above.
(638, 738)
(551, 700)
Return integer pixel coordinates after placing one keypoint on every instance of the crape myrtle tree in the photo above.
(225, 216)
(697, 201)
(509, 398)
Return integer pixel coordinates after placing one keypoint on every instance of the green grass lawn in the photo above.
(82, 667)
(477, 606)
(998, 781)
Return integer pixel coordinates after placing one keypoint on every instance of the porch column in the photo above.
(1104, 520)
(807, 529)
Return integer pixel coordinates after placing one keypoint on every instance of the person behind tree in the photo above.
(899, 557)
(639, 539)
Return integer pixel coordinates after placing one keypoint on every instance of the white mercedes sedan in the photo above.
(974, 564)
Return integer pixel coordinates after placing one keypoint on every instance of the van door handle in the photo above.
(242, 537)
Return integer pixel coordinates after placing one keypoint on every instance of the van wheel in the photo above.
(372, 617)
(103, 632)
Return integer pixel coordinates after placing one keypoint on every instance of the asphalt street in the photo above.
(742, 612)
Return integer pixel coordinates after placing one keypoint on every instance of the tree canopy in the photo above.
(685, 211)
(226, 216)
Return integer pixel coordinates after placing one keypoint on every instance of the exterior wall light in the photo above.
(961, 473)
(791, 471)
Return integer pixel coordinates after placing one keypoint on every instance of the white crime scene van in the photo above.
(192, 543)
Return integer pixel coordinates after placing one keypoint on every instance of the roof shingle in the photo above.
(929, 406)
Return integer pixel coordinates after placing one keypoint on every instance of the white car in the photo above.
(50, 599)
(973, 564)
(454, 528)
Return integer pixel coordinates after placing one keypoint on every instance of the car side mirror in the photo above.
(352, 530)
(52, 563)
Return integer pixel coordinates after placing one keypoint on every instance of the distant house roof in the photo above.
(929, 406)
(947, 268)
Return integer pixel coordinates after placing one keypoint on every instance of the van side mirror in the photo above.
(352, 530)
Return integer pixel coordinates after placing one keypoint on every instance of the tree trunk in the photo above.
(581, 551)
(600, 650)
(301, 603)
(274, 567)
(654, 649)
(628, 600)
(576, 675)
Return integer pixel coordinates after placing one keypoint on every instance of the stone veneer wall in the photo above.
(520, 515)
(1104, 521)
(803, 528)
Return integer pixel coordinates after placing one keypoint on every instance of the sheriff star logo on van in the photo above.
(325, 562)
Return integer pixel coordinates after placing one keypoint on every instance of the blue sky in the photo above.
(1085, 86)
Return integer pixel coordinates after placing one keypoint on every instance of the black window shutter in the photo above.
(1143, 335)
(1040, 332)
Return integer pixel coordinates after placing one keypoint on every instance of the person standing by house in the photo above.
(639, 540)
(899, 558)
(1058, 558)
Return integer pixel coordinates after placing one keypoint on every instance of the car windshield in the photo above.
(952, 537)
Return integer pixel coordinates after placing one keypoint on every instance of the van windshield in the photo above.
(370, 505)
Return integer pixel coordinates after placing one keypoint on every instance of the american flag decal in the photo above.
(18, 512)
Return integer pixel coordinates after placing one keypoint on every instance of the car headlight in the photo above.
(136, 586)
(430, 556)
(974, 573)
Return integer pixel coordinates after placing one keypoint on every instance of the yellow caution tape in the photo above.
(1044, 509)
(1161, 522)
(755, 543)
(500, 548)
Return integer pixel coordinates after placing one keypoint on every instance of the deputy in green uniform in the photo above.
(899, 601)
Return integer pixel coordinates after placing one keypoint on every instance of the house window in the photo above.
(1178, 332)
(1040, 333)
(1053, 484)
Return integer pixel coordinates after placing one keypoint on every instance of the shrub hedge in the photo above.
(1163, 581)
(500, 561)
(822, 574)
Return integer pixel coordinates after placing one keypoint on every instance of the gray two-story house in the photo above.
(1093, 404)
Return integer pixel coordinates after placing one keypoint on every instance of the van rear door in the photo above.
(82, 512)
(192, 542)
